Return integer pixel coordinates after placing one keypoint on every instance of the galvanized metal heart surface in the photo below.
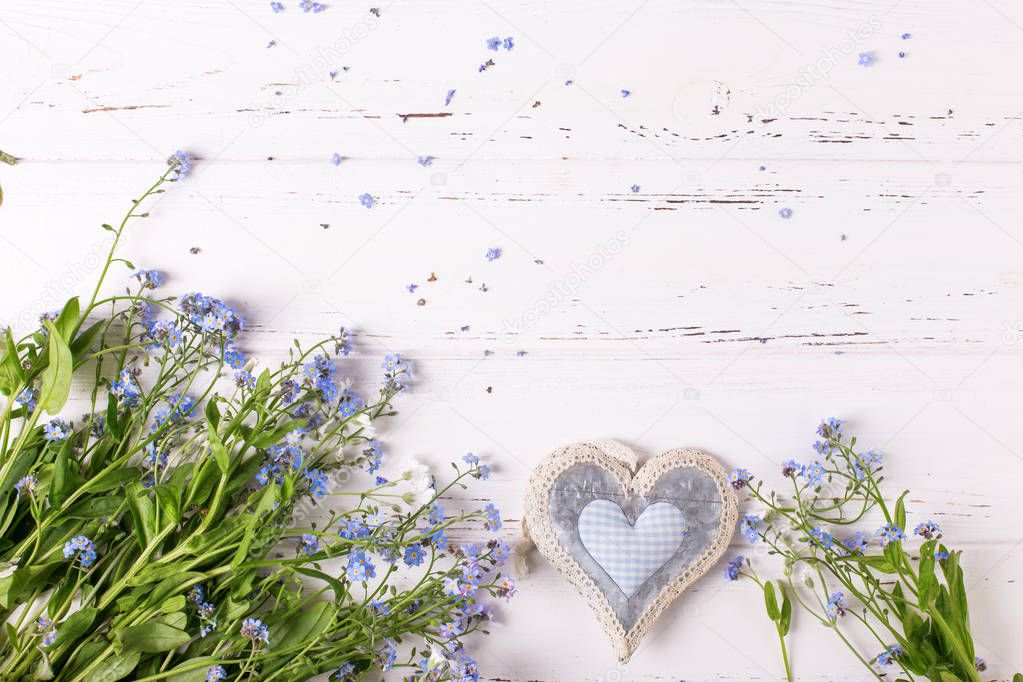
(630, 540)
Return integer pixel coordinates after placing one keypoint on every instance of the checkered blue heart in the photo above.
(631, 553)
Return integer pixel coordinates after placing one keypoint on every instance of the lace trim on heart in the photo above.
(621, 462)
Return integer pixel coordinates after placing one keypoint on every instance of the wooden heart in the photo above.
(630, 541)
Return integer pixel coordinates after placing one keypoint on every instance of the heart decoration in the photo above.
(630, 541)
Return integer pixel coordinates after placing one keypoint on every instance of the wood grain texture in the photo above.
(688, 313)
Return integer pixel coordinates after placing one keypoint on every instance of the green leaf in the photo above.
(900, 510)
(56, 384)
(11, 373)
(176, 603)
(213, 413)
(43, 670)
(202, 483)
(83, 342)
(67, 322)
(301, 628)
(10, 589)
(770, 601)
(268, 438)
(267, 499)
(116, 668)
(143, 512)
(1018, 677)
(927, 588)
(75, 625)
(153, 637)
(876, 562)
(785, 621)
(65, 476)
(219, 451)
(169, 500)
(197, 674)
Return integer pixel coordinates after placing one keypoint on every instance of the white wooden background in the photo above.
(893, 297)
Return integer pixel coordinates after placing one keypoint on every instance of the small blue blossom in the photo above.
(483, 472)
(888, 655)
(149, 279)
(216, 673)
(733, 567)
(26, 485)
(928, 530)
(318, 482)
(749, 526)
(470, 458)
(626, 93)
(836, 605)
(82, 549)
(366, 200)
(28, 398)
(309, 543)
(360, 568)
(857, 544)
(739, 478)
(822, 538)
(634, 189)
(790, 468)
(906, 36)
(374, 453)
(785, 213)
(425, 161)
(344, 672)
(44, 626)
(866, 58)
(941, 554)
(448, 97)
(335, 159)
(493, 253)
(386, 657)
(414, 555)
(493, 521)
(245, 380)
(500, 552)
(814, 474)
(889, 533)
(830, 431)
(979, 664)
(867, 463)
(255, 630)
(178, 161)
(56, 429)
(493, 43)
(449, 630)
(436, 515)
(508, 43)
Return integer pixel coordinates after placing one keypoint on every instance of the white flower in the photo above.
(363, 422)
(420, 479)
(806, 575)
(437, 660)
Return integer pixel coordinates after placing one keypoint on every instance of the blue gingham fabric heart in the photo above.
(631, 553)
(629, 538)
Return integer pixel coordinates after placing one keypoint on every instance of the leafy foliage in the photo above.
(179, 530)
(911, 605)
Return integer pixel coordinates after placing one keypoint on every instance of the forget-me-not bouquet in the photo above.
(180, 528)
